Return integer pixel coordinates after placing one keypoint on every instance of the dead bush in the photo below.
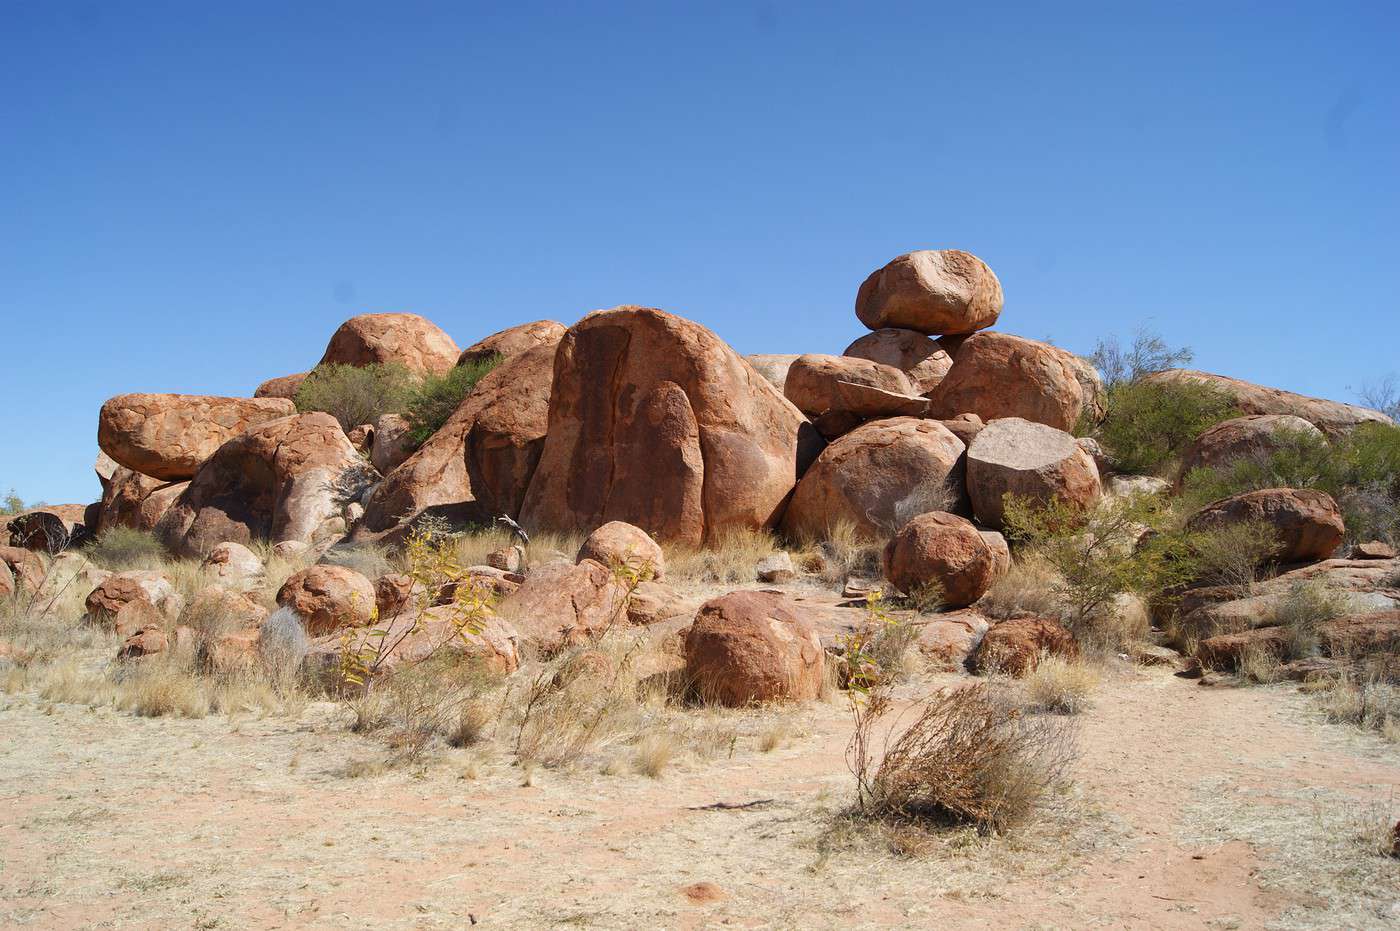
(1060, 685)
(972, 756)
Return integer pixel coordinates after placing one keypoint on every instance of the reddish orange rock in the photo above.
(752, 646)
(935, 292)
(169, 436)
(409, 340)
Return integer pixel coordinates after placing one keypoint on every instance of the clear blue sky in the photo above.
(194, 195)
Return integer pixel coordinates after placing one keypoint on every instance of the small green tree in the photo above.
(433, 401)
(1149, 424)
(11, 504)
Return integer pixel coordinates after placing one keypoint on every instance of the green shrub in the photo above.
(433, 401)
(1360, 470)
(1150, 424)
(14, 504)
(356, 394)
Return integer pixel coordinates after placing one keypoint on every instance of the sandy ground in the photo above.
(1191, 808)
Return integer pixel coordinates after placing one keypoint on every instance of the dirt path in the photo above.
(1192, 808)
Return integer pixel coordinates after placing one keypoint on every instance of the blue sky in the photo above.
(193, 196)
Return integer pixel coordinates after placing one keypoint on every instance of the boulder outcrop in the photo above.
(169, 436)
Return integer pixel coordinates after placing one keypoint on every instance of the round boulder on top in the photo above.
(1306, 522)
(656, 421)
(919, 357)
(1245, 437)
(998, 375)
(406, 339)
(619, 543)
(877, 477)
(935, 292)
(513, 341)
(329, 598)
(751, 646)
(942, 549)
(169, 436)
(1028, 460)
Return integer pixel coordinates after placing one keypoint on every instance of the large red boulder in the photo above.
(169, 436)
(945, 550)
(877, 477)
(1307, 523)
(1331, 417)
(478, 465)
(748, 647)
(1248, 437)
(272, 483)
(1014, 647)
(409, 340)
(935, 292)
(1028, 460)
(998, 375)
(656, 422)
(919, 357)
(329, 598)
(838, 392)
(513, 341)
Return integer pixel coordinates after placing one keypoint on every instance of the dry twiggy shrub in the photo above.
(730, 559)
(1060, 685)
(972, 756)
(653, 753)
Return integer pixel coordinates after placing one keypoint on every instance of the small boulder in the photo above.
(965, 427)
(513, 341)
(560, 605)
(1001, 552)
(283, 386)
(169, 436)
(620, 543)
(920, 358)
(507, 558)
(749, 646)
(362, 438)
(937, 548)
(933, 292)
(1029, 460)
(121, 589)
(409, 340)
(1373, 550)
(776, 569)
(393, 592)
(877, 477)
(409, 638)
(233, 565)
(654, 602)
(946, 641)
(145, 642)
(1255, 435)
(996, 375)
(27, 567)
(1306, 522)
(1014, 647)
(329, 598)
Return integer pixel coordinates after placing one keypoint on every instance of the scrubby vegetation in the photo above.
(356, 394)
(432, 400)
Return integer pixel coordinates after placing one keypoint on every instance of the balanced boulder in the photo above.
(276, 482)
(1306, 523)
(934, 292)
(656, 422)
(997, 375)
(749, 646)
(513, 341)
(918, 356)
(409, 340)
(877, 477)
(329, 598)
(1249, 437)
(1029, 460)
(943, 550)
(169, 436)
(618, 543)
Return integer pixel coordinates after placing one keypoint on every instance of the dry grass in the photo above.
(1302, 610)
(1365, 701)
(1260, 666)
(1060, 685)
(1114, 627)
(653, 753)
(471, 549)
(972, 756)
(730, 560)
(1026, 590)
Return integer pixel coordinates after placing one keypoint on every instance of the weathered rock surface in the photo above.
(137, 501)
(406, 339)
(1331, 417)
(479, 464)
(284, 386)
(938, 548)
(749, 647)
(1307, 522)
(877, 477)
(839, 392)
(169, 436)
(776, 569)
(410, 639)
(1014, 647)
(920, 358)
(773, 366)
(946, 641)
(329, 598)
(997, 375)
(965, 427)
(391, 447)
(1030, 460)
(560, 605)
(620, 543)
(27, 567)
(513, 341)
(272, 483)
(233, 565)
(121, 589)
(1373, 550)
(1354, 635)
(935, 292)
(655, 421)
(1254, 435)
